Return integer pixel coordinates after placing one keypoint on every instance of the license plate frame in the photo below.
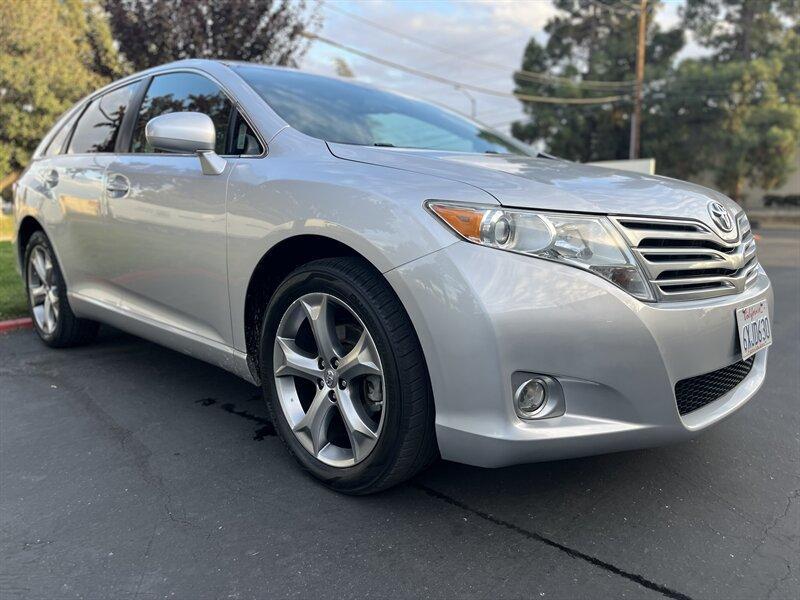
(754, 328)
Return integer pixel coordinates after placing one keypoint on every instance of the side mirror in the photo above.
(186, 132)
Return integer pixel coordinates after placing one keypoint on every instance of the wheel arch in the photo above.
(27, 227)
(273, 267)
(276, 263)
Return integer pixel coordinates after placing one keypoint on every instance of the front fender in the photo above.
(377, 211)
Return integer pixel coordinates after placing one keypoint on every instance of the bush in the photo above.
(788, 200)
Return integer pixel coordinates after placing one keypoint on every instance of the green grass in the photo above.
(12, 292)
(6, 224)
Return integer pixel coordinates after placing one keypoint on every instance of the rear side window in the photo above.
(98, 127)
(183, 92)
(56, 145)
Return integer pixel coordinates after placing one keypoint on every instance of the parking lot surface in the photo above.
(131, 471)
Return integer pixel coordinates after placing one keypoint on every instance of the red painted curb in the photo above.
(14, 324)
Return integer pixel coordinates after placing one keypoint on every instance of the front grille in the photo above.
(686, 260)
(696, 392)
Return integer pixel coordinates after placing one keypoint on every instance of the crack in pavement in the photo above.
(259, 434)
(571, 552)
(139, 452)
(766, 534)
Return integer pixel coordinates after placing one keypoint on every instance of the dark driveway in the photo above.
(130, 471)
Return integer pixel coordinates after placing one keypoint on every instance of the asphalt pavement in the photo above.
(131, 471)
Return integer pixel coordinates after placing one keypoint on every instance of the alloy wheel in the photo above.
(43, 290)
(329, 379)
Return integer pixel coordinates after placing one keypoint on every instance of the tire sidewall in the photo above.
(322, 279)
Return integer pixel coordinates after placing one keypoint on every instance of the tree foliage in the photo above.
(748, 89)
(739, 30)
(734, 114)
(740, 127)
(587, 43)
(153, 32)
(52, 52)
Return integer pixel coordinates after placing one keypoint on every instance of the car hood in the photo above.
(548, 184)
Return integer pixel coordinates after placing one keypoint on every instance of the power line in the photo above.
(457, 84)
(522, 74)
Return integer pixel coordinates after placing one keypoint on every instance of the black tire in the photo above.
(69, 330)
(407, 442)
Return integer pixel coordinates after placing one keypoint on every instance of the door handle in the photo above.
(51, 179)
(117, 186)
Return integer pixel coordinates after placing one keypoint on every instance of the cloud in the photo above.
(530, 14)
(466, 35)
(462, 32)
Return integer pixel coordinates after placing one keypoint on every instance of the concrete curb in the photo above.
(14, 324)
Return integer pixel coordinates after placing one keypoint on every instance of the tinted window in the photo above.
(244, 142)
(56, 145)
(98, 127)
(183, 92)
(339, 111)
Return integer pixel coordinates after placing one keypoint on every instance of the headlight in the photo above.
(584, 241)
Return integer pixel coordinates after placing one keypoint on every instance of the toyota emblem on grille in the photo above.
(720, 216)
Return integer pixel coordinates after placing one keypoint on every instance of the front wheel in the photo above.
(345, 377)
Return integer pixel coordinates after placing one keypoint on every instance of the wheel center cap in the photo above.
(330, 378)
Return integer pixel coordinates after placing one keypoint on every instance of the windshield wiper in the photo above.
(383, 145)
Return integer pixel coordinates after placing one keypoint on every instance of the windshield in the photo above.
(348, 113)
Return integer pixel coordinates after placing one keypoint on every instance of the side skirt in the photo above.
(180, 340)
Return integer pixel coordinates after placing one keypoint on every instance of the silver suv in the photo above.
(403, 283)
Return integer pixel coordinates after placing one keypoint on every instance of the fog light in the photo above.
(530, 397)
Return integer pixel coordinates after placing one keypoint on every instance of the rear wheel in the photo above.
(345, 377)
(52, 316)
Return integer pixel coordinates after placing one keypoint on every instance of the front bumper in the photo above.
(483, 314)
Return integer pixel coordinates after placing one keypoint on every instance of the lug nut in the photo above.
(320, 383)
(335, 362)
(332, 396)
(342, 384)
(321, 364)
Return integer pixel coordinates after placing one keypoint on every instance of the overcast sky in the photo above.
(493, 31)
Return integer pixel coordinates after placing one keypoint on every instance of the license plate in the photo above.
(755, 332)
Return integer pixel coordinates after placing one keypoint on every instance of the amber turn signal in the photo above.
(466, 221)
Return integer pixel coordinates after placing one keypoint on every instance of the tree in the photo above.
(739, 29)
(342, 68)
(735, 114)
(589, 43)
(742, 118)
(742, 105)
(153, 32)
(52, 52)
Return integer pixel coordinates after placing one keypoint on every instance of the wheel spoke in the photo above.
(54, 305)
(39, 265)
(38, 293)
(360, 360)
(320, 317)
(47, 314)
(314, 425)
(294, 362)
(362, 438)
(48, 269)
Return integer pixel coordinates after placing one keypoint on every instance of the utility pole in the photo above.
(636, 117)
